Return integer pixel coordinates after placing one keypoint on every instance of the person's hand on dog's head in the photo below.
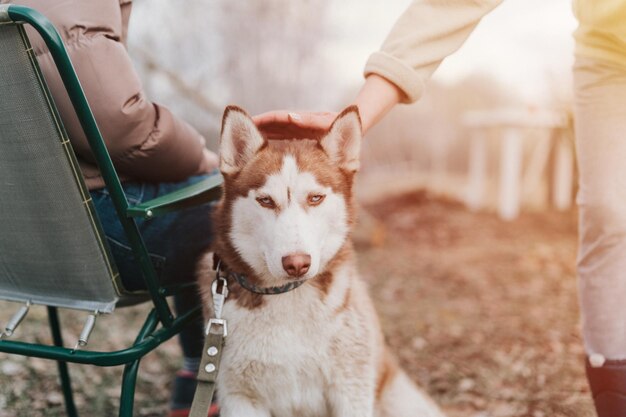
(376, 98)
(283, 124)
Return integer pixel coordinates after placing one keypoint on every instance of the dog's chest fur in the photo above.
(285, 353)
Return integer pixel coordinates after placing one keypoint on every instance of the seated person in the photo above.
(153, 151)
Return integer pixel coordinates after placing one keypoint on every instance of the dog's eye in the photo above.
(315, 199)
(266, 202)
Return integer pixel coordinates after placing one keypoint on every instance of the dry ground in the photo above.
(482, 313)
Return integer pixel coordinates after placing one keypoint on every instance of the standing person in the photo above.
(429, 31)
(153, 151)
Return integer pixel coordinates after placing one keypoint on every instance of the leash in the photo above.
(216, 331)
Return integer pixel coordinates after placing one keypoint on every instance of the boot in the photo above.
(608, 387)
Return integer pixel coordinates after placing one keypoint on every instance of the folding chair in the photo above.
(52, 248)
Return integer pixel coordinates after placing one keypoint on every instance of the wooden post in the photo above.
(534, 190)
(475, 197)
(510, 170)
(563, 174)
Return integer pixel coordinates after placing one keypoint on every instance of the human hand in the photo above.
(283, 124)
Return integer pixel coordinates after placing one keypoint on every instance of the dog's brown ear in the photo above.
(240, 140)
(342, 143)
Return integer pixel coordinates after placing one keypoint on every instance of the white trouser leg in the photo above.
(600, 125)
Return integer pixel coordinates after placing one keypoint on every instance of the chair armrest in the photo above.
(201, 192)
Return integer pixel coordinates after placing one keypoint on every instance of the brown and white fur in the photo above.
(317, 350)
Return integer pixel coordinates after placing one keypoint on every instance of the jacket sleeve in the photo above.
(145, 140)
(426, 33)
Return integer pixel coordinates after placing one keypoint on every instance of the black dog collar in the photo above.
(243, 281)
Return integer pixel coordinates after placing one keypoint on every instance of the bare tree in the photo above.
(200, 55)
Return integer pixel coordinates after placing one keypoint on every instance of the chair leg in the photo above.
(66, 384)
(129, 380)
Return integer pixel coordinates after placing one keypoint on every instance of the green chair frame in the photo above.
(150, 335)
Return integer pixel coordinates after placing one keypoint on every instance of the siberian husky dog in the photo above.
(283, 223)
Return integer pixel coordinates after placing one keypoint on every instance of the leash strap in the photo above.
(216, 331)
(207, 374)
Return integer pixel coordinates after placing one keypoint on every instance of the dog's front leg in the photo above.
(239, 406)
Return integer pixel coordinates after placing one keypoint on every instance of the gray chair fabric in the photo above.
(52, 251)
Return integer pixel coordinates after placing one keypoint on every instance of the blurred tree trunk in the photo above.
(197, 58)
(272, 52)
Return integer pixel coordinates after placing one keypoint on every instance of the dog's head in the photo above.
(287, 205)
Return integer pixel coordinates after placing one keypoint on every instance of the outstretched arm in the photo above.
(426, 33)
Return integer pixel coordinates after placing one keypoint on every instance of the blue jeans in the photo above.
(175, 242)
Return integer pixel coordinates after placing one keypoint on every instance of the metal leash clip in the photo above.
(219, 290)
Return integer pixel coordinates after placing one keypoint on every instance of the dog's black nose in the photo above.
(296, 264)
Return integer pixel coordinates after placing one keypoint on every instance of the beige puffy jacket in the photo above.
(145, 140)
